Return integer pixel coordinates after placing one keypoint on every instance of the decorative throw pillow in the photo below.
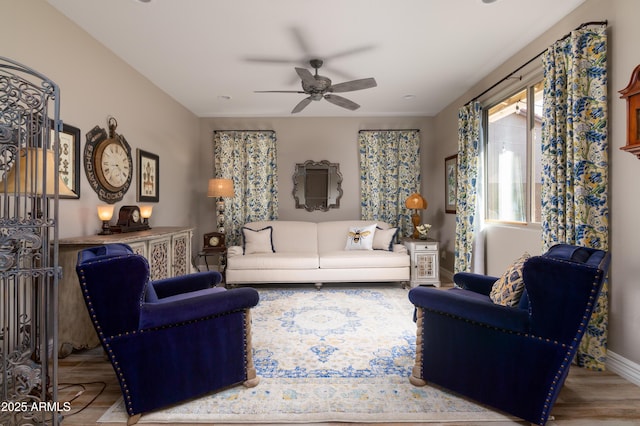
(360, 237)
(507, 290)
(383, 239)
(257, 241)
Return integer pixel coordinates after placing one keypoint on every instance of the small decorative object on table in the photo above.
(129, 220)
(423, 230)
(214, 245)
(213, 241)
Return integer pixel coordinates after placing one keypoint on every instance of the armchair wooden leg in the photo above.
(416, 373)
(132, 420)
(252, 377)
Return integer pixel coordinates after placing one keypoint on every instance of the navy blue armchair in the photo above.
(167, 340)
(515, 358)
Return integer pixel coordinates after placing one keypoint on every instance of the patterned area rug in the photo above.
(335, 354)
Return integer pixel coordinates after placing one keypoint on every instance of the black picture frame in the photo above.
(450, 183)
(69, 158)
(148, 177)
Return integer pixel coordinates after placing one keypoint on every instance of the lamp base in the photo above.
(415, 219)
(106, 229)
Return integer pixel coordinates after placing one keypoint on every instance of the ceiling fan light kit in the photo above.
(319, 87)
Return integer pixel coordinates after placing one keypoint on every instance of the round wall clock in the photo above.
(108, 163)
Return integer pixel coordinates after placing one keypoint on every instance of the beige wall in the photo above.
(93, 85)
(300, 139)
(505, 243)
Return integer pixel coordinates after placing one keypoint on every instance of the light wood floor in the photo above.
(588, 397)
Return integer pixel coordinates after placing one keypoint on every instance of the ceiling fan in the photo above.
(319, 87)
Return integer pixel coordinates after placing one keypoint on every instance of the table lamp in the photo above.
(220, 188)
(416, 202)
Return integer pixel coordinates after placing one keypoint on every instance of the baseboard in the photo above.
(623, 367)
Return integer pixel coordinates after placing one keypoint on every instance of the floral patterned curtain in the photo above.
(575, 160)
(469, 124)
(249, 159)
(389, 173)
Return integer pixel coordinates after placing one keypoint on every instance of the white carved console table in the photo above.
(168, 250)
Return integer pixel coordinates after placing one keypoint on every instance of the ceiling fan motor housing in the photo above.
(321, 85)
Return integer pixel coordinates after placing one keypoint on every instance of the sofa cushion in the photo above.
(359, 259)
(290, 235)
(383, 238)
(332, 234)
(277, 260)
(360, 237)
(257, 240)
(508, 289)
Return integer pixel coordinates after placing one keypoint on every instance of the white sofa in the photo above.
(314, 252)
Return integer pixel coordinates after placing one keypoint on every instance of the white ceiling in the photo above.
(200, 51)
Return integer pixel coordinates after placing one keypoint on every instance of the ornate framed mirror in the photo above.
(317, 185)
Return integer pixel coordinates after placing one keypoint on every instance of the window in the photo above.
(514, 155)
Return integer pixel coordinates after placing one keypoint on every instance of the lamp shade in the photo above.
(145, 211)
(416, 202)
(31, 166)
(105, 211)
(220, 188)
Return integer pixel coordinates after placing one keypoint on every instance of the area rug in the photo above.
(336, 354)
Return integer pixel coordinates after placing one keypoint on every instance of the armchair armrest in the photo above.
(462, 304)
(204, 303)
(185, 283)
(559, 290)
(475, 282)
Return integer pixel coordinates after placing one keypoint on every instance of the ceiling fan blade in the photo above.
(301, 105)
(278, 91)
(266, 60)
(301, 41)
(348, 52)
(342, 102)
(350, 86)
(306, 76)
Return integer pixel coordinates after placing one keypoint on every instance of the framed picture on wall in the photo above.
(69, 158)
(148, 176)
(451, 183)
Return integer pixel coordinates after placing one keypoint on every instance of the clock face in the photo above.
(213, 241)
(113, 165)
(135, 216)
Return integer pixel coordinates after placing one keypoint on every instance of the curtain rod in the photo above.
(533, 59)
(388, 130)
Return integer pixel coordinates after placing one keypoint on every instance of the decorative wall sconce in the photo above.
(105, 213)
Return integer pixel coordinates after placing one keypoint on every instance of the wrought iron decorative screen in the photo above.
(29, 271)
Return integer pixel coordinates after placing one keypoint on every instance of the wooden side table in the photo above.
(425, 264)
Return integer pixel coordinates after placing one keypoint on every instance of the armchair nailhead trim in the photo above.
(570, 350)
(573, 348)
(107, 339)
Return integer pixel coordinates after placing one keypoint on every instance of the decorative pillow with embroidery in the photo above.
(257, 241)
(383, 239)
(360, 237)
(508, 289)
